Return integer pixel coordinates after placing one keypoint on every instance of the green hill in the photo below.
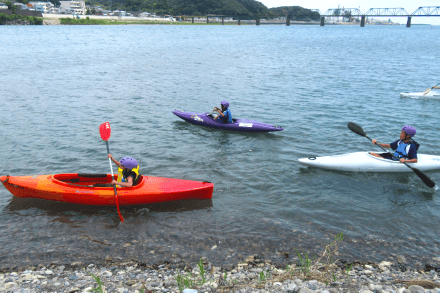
(249, 9)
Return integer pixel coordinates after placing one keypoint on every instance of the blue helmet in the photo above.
(128, 162)
(409, 130)
(225, 104)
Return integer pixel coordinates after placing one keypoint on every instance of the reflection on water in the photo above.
(53, 208)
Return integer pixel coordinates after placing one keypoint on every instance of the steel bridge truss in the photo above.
(343, 12)
(421, 11)
(427, 11)
(386, 12)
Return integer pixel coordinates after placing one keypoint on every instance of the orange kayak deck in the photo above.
(78, 189)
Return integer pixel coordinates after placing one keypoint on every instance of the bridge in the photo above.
(343, 12)
(378, 12)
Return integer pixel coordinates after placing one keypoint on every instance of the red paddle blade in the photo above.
(105, 131)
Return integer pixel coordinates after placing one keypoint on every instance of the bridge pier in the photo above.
(223, 20)
(287, 21)
(192, 19)
(362, 20)
(257, 21)
(322, 21)
(408, 23)
(239, 21)
(207, 19)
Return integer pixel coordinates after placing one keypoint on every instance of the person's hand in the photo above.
(114, 182)
(402, 160)
(110, 156)
(374, 141)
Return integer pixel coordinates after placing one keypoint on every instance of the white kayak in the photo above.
(431, 95)
(364, 162)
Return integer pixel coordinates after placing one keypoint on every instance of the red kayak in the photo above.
(78, 189)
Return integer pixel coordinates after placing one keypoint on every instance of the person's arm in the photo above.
(220, 112)
(384, 145)
(412, 156)
(436, 87)
(114, 161)
(402, 160)
(129, 182)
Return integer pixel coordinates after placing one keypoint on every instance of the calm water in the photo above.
(59, 83)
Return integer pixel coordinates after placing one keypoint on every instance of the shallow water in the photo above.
(59, 83)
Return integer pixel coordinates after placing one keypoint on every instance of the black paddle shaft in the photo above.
(357, 129)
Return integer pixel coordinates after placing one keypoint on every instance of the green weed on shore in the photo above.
(320, 268)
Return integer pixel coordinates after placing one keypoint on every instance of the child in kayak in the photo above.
(225, 115)
(405, 148)
(128, 172)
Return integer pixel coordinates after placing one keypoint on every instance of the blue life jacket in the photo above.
(403, 149)
(227, 118)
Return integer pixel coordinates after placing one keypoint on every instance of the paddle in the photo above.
(428, 90)
(105, 131)
(357, 129)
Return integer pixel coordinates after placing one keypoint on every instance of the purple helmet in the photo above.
(225, 104)
(409, 130)
(128, 162)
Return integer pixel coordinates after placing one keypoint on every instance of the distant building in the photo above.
(43, 7)
(3, 6)
(76, 7)
(145, 14)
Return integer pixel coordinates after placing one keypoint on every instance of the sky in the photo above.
(364, 5)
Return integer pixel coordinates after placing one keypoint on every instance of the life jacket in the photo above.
(227, 118)
(122, 175)
(403, 148)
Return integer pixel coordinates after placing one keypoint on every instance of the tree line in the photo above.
(245, 9)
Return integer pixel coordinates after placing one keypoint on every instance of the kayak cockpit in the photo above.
(83, 179)
(212, 116)
(387, 160)
(87, 180)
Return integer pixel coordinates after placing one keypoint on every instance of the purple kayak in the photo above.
(243, 125)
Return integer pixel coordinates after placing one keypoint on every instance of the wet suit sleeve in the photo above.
(412, 154)
(394, 145)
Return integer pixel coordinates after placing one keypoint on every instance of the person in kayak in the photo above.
(128, 172)
(405, 148)
(225, 115)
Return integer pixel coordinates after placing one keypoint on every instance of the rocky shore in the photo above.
(251, 275)
(18, 22)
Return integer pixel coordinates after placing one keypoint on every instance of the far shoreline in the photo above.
(55, 19)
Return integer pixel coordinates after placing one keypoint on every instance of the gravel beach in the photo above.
(251, 275)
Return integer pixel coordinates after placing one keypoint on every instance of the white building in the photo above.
(44, 7)
(3, 6)
(77, 7)
(145, 14)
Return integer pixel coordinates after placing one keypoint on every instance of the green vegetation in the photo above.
(296, 13)
(320, 268)
(244, 9)
(98, 280)
(33, 20)
(190, 281)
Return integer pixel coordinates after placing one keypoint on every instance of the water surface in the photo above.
(59, 83)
